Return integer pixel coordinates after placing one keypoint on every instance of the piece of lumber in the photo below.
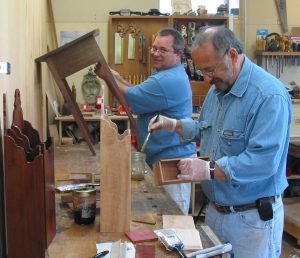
(292, 220)
(115, 178)
(142, 235)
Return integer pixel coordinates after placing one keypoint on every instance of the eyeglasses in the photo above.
(161, 51)
(210, 71)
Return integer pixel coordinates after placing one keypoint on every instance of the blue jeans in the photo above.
(249, 235)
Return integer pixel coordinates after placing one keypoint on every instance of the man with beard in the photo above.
(166, 92)
(244, 128)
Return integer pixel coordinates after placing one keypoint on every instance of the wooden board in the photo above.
(139, 236)
(185, 230)
(25, 203)
(115, 175)
(178, 221)
(292, 220)
(2, 214)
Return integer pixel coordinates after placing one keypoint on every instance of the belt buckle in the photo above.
(222, 209)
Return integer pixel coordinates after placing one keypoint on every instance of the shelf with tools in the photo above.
(129, 42)
(277, 60)
(131, 37)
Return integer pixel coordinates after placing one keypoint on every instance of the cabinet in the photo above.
(130, 39)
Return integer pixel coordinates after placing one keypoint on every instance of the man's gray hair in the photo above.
(221, 38)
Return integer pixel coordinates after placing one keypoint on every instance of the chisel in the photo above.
(148, 136)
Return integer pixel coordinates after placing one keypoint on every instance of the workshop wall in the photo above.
(77, 15)
(257, 14)
(24, 36)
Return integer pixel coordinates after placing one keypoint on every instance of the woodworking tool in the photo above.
(171, 241)
(102, 254)
(212, 251)
(148, 136)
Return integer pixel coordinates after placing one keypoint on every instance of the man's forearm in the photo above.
(122, 84)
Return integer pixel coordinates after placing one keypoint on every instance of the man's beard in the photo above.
(221, 85)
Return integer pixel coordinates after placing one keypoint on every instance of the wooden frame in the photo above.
(71, 58)
(165, 171)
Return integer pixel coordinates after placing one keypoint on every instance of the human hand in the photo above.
(193, 169)
(162, 123)
(102, 73)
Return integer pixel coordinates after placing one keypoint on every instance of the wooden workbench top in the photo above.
(149, 203)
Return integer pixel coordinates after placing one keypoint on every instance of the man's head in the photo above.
(218, 54)
(167, 49)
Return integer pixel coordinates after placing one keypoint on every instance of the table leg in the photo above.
(60, 130)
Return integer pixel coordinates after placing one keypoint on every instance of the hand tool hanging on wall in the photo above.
(121, 31)
(155, 12)
(131, 41)
(142, 48)
(191, 32)
(124, 12)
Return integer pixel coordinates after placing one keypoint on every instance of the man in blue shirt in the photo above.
(244, 128)
(166, 92)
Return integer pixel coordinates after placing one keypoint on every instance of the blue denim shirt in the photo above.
(246, 132)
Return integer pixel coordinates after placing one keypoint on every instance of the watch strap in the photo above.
(212, 169)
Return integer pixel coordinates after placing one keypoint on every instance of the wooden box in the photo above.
(165, 171)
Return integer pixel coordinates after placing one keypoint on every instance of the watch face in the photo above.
(125, 12)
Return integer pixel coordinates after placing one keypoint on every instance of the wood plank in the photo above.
(292, 220)
(115, 198)
(24, 193)
(2, 214)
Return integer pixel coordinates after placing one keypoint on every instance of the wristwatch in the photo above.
(212, 169)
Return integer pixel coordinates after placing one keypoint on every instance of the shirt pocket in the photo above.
(232, 142)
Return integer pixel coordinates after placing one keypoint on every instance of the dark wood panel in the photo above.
(2, 213)
(24, 193)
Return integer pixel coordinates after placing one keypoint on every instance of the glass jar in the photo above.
(137, 165)
(84, 203)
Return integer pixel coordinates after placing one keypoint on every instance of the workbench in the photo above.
(292, 205)
(149, 203)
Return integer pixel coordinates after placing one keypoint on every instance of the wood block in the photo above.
(138, 236)
(145, 251)
(292, 220)
(185, 230)
(178, 221)
(115, 177)
(54, 134)
(165, 171)
(82, 177)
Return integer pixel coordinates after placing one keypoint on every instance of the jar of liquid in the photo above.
(138, 165)
(84, 202)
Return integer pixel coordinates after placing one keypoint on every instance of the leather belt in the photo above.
(239, 208)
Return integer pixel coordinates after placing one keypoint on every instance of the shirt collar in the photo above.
(241, 84)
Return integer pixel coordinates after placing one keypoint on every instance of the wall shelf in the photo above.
(269, 53)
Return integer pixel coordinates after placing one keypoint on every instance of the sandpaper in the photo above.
(145, 251)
